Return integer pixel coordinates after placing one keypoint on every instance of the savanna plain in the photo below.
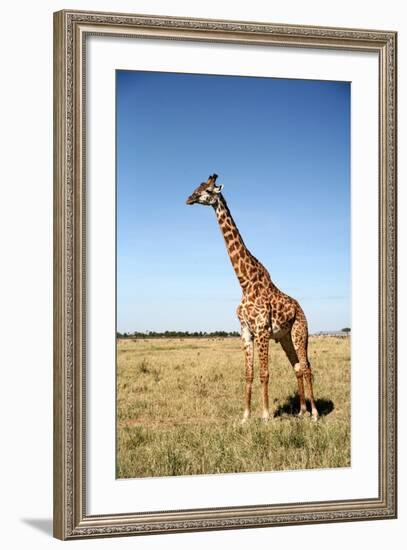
(180, 403)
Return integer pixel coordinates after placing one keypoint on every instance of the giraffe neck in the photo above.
(247, 268)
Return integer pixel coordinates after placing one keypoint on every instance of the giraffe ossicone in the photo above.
(265, 312)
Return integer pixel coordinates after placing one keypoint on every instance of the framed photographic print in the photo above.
(225, 274)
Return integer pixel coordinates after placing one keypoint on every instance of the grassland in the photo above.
(179, 405)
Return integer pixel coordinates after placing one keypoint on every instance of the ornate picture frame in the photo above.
(71, 31)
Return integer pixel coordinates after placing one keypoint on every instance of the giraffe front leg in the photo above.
(247, 339)
(262, 342)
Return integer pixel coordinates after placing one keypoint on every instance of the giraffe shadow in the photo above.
(292, 406)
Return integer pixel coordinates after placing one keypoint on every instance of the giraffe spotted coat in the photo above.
(265, 312)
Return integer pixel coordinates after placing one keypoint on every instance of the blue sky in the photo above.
(282, 150)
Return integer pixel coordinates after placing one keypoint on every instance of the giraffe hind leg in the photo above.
(299, 335)
(287, 345)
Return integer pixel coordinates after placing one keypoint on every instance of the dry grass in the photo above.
(179, 405)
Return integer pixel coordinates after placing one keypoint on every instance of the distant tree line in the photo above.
(177, 334)
(200, 334)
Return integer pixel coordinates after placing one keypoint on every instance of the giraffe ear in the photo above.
(217, 188)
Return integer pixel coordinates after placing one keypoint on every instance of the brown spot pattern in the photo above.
(265, 312)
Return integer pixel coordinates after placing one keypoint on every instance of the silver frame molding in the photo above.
(70, 31)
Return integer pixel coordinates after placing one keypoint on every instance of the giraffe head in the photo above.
(207, 193)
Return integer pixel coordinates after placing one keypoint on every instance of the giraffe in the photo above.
(265, 312)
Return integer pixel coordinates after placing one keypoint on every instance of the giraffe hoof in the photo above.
(302, 414)
(315, 416)
(265, 418)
